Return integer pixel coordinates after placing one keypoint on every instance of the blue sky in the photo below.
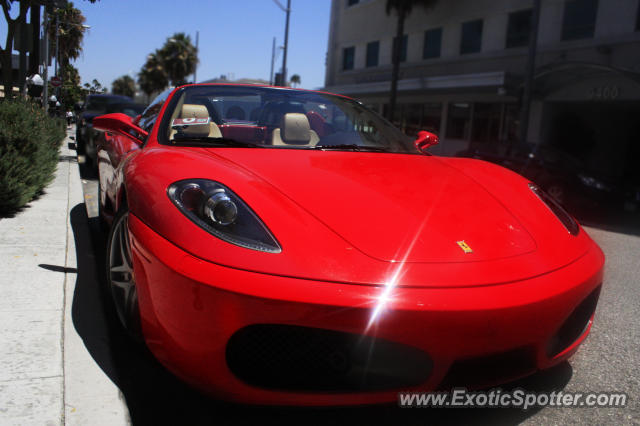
(235, 36)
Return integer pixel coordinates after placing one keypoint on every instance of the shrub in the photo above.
(29, 142)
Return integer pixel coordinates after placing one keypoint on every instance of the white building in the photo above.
(463, 70)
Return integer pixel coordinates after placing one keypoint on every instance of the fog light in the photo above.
(220, 209)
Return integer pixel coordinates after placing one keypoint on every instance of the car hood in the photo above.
(393, 207)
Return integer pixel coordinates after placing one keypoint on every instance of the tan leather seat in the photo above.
(295, 130)
(197, 130)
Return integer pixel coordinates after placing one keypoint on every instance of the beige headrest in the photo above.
(195, 111)
(295, 129)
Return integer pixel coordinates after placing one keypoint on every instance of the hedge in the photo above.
(29, 143)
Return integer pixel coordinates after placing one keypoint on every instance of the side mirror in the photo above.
(119, 123)
(425, 140)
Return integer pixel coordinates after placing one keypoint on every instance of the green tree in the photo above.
(152, 76)
(71, 92)
(402, 9)
(71, 31)
(178, 57)
(124, 85)
(295, 80)
(95, 87)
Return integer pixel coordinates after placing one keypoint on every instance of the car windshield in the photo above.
(266, 117)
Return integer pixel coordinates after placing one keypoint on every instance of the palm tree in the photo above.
(71, 31)
(178, 57)
(71, 91)
(95, 87)
(124, 85)
(152, 76)
(403, 9)
(295, 80)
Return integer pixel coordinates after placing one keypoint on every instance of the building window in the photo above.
(579, 19)
(519, 28)
(459, 121)
(352, 2)
(403, 48)
(471, 37)
(348, 56)
(432, 43)
(486, 122)
(372, 53)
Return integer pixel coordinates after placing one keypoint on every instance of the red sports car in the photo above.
(282, 246)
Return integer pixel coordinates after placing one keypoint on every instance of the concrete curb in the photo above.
(48, 376)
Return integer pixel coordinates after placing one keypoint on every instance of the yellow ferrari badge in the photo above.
(464, 246)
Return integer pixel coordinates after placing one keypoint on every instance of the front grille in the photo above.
(287, 357)
(489, 369)
(575, 325)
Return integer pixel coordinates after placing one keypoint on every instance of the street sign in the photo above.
(56, 81)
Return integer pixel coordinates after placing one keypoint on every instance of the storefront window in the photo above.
(459, 122)
(412, 119)
(511, 123)
(431, 116)
(486, 122)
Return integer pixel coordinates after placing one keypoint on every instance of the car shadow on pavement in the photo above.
(154, 396)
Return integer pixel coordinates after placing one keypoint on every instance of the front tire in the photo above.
(120, 275)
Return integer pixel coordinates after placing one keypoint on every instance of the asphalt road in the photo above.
(608, 361)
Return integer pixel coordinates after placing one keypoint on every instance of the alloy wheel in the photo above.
(121, 276)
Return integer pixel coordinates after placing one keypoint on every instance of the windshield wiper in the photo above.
(350, 147)
(210, 141)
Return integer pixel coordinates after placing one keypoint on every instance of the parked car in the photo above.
(93, 106)
(562, 176)
(311, 254)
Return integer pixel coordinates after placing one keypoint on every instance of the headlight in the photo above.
(593, 183)
(219, 211)
(567, 220)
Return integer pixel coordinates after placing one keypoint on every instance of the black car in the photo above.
(561, 175)
(94, 105)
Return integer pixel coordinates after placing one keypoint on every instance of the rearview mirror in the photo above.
(119, 123)
(425, 140)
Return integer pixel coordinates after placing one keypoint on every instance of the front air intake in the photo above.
(575, 325)
(287, 357)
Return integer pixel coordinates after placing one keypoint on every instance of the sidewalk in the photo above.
(47, 375)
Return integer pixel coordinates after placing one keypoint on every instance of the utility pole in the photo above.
(57, 69)
(286, 45)
(273, 57)
(57, 45)
(528, 79)
(45, 71)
